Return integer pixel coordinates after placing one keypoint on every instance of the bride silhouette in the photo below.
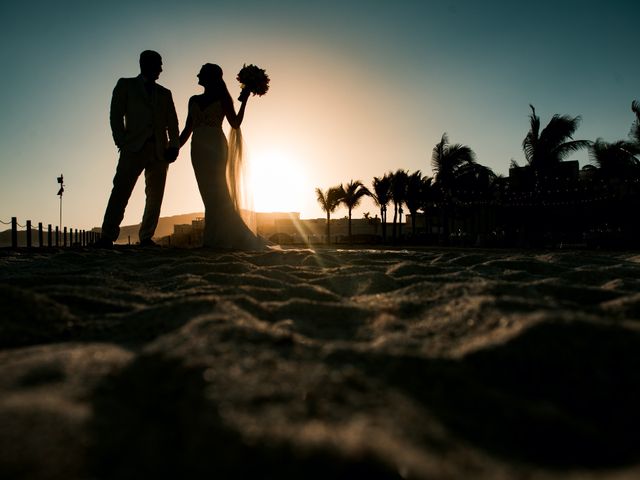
(214, 160)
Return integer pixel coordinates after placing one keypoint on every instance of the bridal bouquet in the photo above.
(253, 80)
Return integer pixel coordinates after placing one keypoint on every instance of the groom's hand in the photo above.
(170, 154)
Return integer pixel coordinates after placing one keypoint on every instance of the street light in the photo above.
(60, 192)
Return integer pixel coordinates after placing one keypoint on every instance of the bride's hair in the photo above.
(214, 74)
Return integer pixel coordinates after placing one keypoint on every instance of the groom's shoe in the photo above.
(147, 242)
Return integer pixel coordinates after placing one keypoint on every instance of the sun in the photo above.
(279, 181)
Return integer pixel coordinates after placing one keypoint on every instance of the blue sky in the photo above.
(358, 88)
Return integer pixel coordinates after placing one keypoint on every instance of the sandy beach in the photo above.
(301, 364)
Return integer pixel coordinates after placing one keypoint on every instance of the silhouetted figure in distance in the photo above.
(144, 125)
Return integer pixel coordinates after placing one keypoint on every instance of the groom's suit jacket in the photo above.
(136, 116)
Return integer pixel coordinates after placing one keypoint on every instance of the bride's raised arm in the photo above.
(235, 119)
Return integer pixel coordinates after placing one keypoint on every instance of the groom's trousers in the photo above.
(130, 166)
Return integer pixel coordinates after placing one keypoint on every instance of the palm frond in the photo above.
(614, 159)
(634, 133)
(334, 197)
(399, 186)
(447, 159)
(330, 199)
(439, 151)
(322, 199)
(635, 108)
(596, 149)
(543, 149)
(414, 191)
(530, 142)
(382, 190)
(563, 150)
(460, 154)
(353, 193)
(559, 130)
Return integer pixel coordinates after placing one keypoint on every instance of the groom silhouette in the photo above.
(144, 125)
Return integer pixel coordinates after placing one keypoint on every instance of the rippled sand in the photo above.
(297, 364)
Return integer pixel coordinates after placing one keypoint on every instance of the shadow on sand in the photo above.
(154, 420)
(559, 395)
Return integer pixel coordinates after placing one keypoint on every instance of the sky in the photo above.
(358, 88)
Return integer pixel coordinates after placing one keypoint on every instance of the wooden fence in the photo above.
(51, 237)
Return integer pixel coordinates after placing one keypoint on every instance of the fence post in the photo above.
(40, 237)
(76, 237)
(14, 232)
(57, 236)
(28, 233)
(64, 237)
(49, 236)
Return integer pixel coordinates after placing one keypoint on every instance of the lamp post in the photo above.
(60, 192)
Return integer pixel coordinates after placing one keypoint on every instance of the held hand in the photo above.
(170, 154)
(244, 95)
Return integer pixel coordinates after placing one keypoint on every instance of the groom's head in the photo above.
(150, 64)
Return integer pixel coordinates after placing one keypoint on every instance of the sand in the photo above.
(300, 364)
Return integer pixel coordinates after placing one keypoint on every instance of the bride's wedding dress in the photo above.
(224, 226)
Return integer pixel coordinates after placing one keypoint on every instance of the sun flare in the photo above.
(279, 181)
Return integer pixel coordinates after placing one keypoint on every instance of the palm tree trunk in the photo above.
(328, 228)
(383, 220)
(426, 226)
(445, 223)
(349, 225)
(395, 220)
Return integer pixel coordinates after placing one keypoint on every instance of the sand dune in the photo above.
(379, 364)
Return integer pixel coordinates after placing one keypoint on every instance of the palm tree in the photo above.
(352, 196)
(475, 177)
(476, 185)
(382, 196)
(447, 163)
(398, 195)
(329, 201)
(615, 160)
(544, 150)
(414, 196)
(615, 164)
(634, 134)
(427, 200)
(447, 160)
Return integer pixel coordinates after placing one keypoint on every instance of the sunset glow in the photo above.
(357, 89)
(279, 182)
